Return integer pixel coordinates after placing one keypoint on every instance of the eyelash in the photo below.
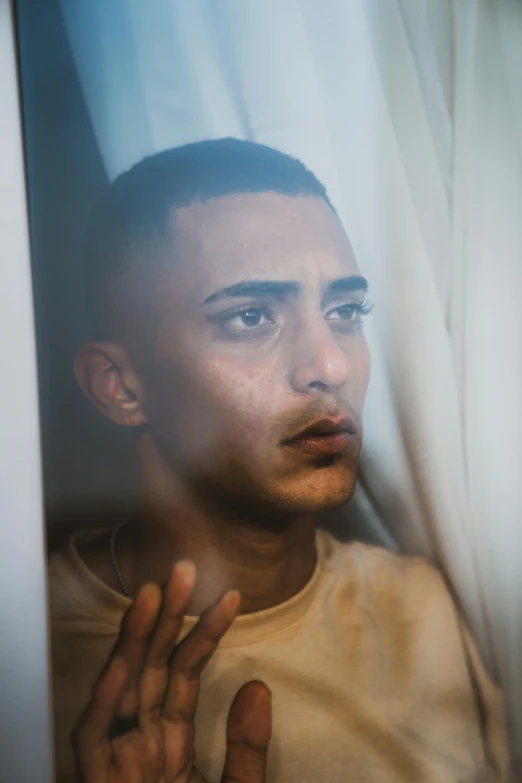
(361, 309)
(225, 318)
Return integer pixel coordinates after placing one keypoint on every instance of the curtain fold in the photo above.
(486, 324)
(410, 111)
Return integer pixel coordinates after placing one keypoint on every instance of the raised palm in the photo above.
(154, 681)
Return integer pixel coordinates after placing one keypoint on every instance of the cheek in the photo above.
(364, 369)
(360, 364)
(201, 404)
(247, 397)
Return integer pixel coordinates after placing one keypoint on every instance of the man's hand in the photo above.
(155, 681)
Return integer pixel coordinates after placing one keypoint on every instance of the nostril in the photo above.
(319, 385)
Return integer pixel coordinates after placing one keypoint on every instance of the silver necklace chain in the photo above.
(112, 546)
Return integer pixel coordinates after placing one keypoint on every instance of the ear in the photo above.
(108, 380)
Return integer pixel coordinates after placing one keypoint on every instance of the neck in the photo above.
(268, 563)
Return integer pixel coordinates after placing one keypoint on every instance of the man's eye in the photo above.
(249, 318)
(347, 312)
(252, 317)
(350, 312)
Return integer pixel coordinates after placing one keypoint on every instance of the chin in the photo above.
(318, 503)
(325, 491)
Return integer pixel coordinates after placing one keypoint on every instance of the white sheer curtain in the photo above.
(410, 111)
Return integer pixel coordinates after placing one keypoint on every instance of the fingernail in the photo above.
(147, 591)
(232, 597)
(187, 570)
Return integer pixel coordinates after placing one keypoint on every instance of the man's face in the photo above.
(255, 383)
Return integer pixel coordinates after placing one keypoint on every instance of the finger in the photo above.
(178, 592)
(90, 737)
(249, 730)
(155, 674)
(193, 654)
(134, 641)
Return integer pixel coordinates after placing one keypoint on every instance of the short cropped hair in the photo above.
(134, 212)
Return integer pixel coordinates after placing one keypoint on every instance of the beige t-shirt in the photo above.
(372, 674)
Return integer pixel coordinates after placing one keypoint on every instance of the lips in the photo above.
(328, 427)
(325, 437)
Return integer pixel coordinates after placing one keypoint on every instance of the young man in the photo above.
(230, 308)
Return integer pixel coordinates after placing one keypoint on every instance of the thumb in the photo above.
(249, 730)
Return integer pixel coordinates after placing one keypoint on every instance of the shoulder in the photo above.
(402, 609)
(387, 583)
(401, 606)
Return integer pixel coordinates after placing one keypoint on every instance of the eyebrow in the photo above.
(346, 285)
(282, 290)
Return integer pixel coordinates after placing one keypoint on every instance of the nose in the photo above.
(318, 363)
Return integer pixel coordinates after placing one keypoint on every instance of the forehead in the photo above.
(259, 236)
